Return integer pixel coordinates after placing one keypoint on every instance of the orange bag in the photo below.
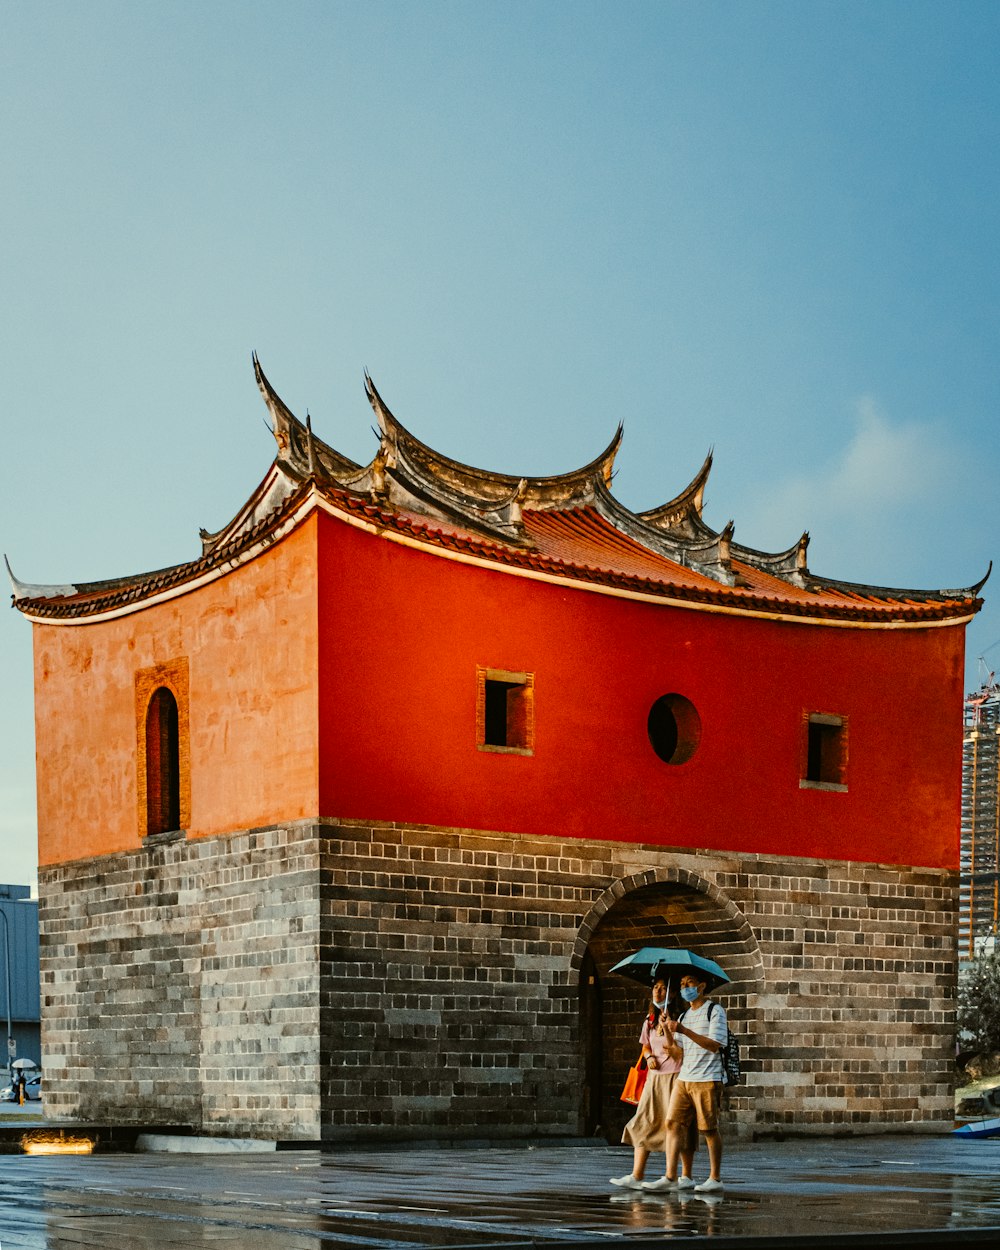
(634, 1082)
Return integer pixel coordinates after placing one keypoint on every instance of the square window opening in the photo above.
(506, 712)
(826, 751)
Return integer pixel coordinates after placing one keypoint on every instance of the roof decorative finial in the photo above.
(14, 583)
(608, 459)
(310, 445)
(726, 544)
(378, 471)
(515, 511)
(282, 418)
(982, 582)
(681, 515)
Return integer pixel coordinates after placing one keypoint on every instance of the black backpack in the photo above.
(729, 1053)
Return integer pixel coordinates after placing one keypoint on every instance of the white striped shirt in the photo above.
(701, 1064)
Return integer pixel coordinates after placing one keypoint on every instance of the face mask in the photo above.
(659, 1003)
(690, 992)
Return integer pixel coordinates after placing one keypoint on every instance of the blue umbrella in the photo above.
(661, 961)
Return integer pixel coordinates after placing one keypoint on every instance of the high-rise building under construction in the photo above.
(980, 844)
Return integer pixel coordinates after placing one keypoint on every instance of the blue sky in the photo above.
(770, 228)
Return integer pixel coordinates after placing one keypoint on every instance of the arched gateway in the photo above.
(670, 907)
(446, 743)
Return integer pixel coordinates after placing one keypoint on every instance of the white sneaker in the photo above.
(709, 1187)
(685, 1182)
(626, 1182)
(659, 1187)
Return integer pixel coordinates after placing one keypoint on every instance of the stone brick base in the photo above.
(348, 981)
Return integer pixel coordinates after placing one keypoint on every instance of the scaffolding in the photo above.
(979, 907)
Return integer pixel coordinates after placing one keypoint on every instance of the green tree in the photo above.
(979, 1002)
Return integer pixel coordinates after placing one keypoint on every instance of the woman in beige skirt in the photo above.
(647, 1130)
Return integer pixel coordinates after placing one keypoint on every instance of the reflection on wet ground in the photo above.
(396, 1198)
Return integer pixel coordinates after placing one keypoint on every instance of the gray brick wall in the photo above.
(350, 980)
(180, 985)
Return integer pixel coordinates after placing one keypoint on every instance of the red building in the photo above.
(413, 752)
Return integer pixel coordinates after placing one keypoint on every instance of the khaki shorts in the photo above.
(695, 1099)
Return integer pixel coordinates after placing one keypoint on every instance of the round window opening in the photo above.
(674, 728)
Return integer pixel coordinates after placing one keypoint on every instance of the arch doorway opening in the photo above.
(670, 913)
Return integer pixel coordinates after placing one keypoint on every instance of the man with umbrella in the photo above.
(695, 1040)
(699, 1035)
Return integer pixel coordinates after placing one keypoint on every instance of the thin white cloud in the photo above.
(867, 509)
(887, 465)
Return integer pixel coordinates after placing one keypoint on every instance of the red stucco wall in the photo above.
(336, 675)
(401, 633)
(250, 642)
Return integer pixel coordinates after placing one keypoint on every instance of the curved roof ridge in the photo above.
(898, 593)
(28, 590)
(24, 591)
(708, 554)
(156, 579)
(406, 484)
(753, 555)
(678, 512)
(790, 564)
(482, 483)
(298, 446)
(277, 484)
(634, 526)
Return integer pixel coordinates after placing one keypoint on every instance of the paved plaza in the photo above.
(861, 1191)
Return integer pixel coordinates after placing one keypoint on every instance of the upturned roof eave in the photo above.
(94, 599)
(881, 593)
(297, 444)
(467, 477)
(444, 505)
(97, 599)
(688, 505)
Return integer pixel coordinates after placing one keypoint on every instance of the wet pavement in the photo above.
(887, 1190)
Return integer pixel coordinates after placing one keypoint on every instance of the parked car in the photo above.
(32, 1090)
